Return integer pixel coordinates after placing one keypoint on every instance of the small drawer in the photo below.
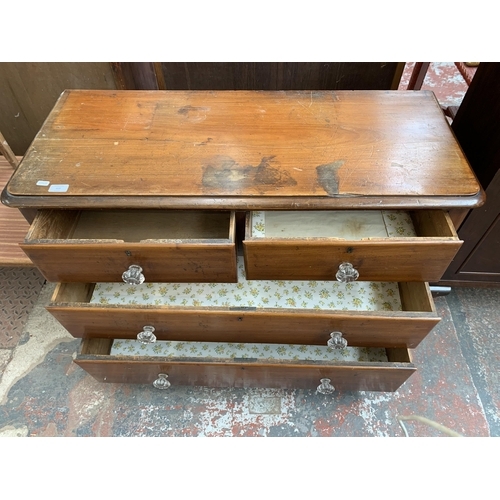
(378, 245)
(258, 365)
(367, 313)
(168, 246)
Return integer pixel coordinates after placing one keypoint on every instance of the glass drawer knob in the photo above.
(336, 341)
(147, 336)
(325, 387)
(161, 382)
(346, 273)
(133, 275)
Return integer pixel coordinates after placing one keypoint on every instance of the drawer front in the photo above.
(406, 328)
(100, 246)
(423, 257)
(354, 376)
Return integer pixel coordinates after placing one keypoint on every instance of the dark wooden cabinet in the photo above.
(258, 75)
(477, 128)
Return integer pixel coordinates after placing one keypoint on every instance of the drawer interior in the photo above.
(316, 295)
(260, 294)
(132, 225)
(203, 351)
(275, 352)
(350, 224)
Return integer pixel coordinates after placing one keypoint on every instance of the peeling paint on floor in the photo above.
(43, 333)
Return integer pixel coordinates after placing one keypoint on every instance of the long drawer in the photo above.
(367, 314)
(379, 245)
(95, 356)
(167, 246)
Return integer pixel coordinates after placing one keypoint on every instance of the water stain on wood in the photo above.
(355, 227)
(204, 143)
(194, 113)
(327, 176)
(224, 172)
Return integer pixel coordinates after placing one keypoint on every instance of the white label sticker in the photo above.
(58, 188)
(43, 183)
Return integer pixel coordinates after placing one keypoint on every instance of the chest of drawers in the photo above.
(275, 239)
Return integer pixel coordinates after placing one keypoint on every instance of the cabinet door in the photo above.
(477, 261)
(477, 128)
(277, 75)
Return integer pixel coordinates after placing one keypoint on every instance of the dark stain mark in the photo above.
(350, 249)
(328, 178)
(269, 173)
(204, 143)
(222, 172)
(186, 110)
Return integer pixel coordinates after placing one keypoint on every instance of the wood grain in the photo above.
(161, 262)
(319, 259)
(304, 149)
(278, 75)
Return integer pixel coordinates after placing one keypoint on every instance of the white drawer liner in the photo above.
(290, 352)
(348, 224)
(320, 295)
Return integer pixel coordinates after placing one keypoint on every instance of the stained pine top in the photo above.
(244, 150)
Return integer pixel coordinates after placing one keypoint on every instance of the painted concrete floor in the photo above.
(43, 393)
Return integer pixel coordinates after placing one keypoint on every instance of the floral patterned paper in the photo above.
(321, 295)
(398, 224)
(291, 352)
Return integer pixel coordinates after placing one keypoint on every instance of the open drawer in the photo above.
(225, 365)
(366, 313)
(379, 245)
(93, 245)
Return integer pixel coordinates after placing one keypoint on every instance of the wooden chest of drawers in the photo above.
(275, 239)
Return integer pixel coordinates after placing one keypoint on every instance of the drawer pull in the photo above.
(161, 382)
(346, 273)
(133, 275)
(147, 336)
(336, 341)
(325, 387)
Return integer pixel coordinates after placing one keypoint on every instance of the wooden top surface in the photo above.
(244, 150)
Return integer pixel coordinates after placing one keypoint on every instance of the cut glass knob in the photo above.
(336, 341)
(161, 382)
(133, 275)
(147, 336)
(346, 273)
(325, 387)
